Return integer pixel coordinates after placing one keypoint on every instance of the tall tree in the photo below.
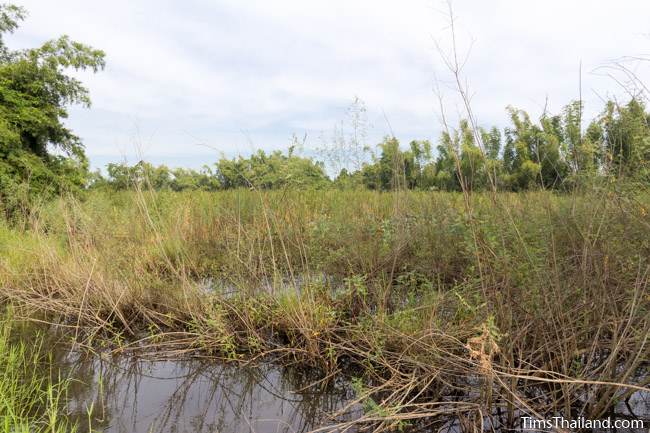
(38, 153)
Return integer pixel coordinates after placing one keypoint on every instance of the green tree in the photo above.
(461, 164)
(39, 155)
(492, 142)
(625, 130)
(423, 171)
(447, 176)
(271, 171)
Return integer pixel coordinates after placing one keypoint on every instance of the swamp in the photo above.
(495, 278)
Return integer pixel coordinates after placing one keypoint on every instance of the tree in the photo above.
(460, 164)
(446, 162)
(492, 142)
(272, 171)
(39, 155)
(625, 131)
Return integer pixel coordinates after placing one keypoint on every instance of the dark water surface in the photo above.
(131, 394)
(134, 395)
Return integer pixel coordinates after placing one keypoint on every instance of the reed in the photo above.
(531, 303)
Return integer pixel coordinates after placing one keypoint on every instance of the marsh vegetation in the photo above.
(505, 275)
(533, 302)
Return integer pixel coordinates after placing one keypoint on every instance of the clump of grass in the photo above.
(31, 400)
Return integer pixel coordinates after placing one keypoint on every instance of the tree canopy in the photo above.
(261, 170)
(38, 153)
(554, 152)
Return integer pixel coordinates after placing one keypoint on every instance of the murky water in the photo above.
(128, 393)
(134, 395)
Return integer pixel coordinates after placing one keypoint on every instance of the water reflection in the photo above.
(132, 395)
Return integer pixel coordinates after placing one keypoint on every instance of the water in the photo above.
(134, 395)
(130, 394)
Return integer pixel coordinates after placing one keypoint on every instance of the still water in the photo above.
(131, 394)
(128, 394)
(137, 393)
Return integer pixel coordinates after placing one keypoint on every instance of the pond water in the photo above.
(131, 394)
(137, 393)
(134, 395)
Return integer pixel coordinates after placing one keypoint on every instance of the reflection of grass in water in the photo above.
(30, 400)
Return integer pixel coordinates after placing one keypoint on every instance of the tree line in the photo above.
(553, 152)
(41, 158)
(261, 170)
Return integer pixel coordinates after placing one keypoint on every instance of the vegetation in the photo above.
(551, 154)
(39, 156)
(273, 171)
(519, 285)
(418, 292)
(31, 401)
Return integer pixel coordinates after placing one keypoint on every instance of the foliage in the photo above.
(271, 171)
(39, 155)
(418, 296)
(553, 153)
(146, 175)
(260, 170)
(41, 158)
(30, 400)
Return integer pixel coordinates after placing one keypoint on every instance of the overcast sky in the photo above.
(244, 74)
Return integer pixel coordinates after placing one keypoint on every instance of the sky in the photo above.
(189, 81)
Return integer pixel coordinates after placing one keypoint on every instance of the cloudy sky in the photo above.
(189, 80)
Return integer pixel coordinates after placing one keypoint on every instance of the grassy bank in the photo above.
(447, 303)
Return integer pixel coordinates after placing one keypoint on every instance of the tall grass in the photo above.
(531, 303)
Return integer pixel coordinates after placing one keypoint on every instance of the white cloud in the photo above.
(233, 71)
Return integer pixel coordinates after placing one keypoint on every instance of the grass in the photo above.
(446, 303)
(31, 401)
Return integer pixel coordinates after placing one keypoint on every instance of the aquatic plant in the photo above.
(32, 395)
(536, 299)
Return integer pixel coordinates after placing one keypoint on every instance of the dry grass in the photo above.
(531, 303)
